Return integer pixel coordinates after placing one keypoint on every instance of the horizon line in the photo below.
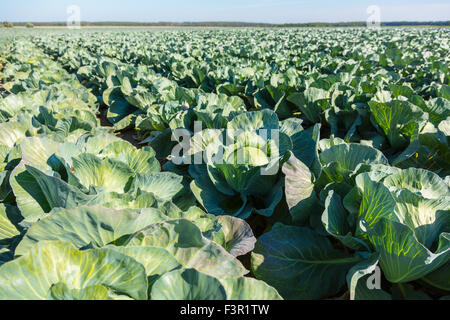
(222, 21)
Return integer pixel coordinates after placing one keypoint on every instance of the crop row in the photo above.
(357, 151)
(86, 215)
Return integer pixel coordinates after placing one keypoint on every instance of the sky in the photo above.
(270, 11)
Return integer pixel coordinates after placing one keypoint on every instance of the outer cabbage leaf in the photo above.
(84, 226)
(300, 195)
(31, 276)
(8, 220)
(238, 236)
(300, 263)
(184, 241)
(403, 257)
(358, 277)
(189, 284)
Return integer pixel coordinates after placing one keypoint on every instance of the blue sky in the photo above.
(273, 11)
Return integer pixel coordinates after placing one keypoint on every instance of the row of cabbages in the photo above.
(86, 215)
(360, 158)
(389, 89)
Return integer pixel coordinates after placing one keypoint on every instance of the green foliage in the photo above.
(8, 24)
(349, 186)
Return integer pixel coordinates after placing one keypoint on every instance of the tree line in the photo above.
(8, 24)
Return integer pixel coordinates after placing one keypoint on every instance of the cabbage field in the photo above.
(116, 181)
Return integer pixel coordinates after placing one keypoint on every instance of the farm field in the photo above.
(226, 164)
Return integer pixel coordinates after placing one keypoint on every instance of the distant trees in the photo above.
(8, 24)
(223, 24)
